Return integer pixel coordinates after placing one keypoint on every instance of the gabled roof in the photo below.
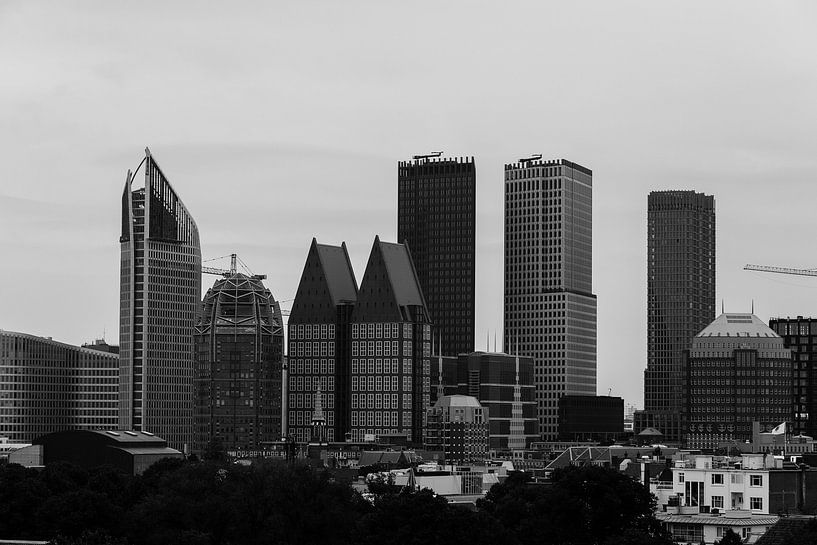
(390, 289)
(401, 272)
(340, 278)
(326, 282)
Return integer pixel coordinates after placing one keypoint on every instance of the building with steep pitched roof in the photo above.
(391, 348)
(319, 344)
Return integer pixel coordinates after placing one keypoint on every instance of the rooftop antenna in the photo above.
(753, 306)
(494, 340)
(488, 341)
(722, 307)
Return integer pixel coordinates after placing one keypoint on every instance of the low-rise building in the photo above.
(458, 426)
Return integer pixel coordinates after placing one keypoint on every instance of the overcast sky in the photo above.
(276, 122)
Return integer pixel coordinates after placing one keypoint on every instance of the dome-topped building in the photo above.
(738, 372)
(239, 356)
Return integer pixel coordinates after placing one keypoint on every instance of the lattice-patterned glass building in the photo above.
(239, 357)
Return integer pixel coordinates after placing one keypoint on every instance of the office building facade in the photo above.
(550, 310)
(504, 386)
(160, 294)
(591, 418)
(48, 386)
(319, 356)
(800, 336)
(437, 219)
(457, 425)
(738, 371)
(680, 299)
(239, 355)
(319, 343)
(391, 348)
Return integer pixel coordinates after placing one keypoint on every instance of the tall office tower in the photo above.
(319, 337)
(436, 216)
(738, 371)
(160, 291)
(48, 386)
(550, 310)
(239, 355)
(391, 348)
(680, 299)
(800, 335)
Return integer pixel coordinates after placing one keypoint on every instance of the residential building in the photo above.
(160, 291)
(680, 300)
(436, 217)
(319, 355)
(597, 418)
(550, 310)
(48, 386)
(503, 384)
(738, 372)
(800, 336)
(239, 351)
(458, 426)
(391, 348)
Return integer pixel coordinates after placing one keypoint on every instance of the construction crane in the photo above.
(234, 260)
(427, 156)
(780, 270)
(233, 268)
(534, 157)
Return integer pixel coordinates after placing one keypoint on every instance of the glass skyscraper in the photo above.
(160, 291)
(550, 310)
(680, 300)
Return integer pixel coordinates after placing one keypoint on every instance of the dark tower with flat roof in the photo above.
(436, 216)
(680, 300)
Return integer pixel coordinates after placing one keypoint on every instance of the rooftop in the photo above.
(737, 325)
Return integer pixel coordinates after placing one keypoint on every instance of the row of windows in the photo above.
(312, 331)
(380, 418)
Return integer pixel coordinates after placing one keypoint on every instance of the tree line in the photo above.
(274, 502)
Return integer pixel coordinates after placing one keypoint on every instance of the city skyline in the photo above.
(230, 121)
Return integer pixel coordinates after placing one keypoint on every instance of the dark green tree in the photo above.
(730, 538)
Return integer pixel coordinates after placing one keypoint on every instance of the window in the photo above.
(756, 503)
(681, 477)
(756, 480)
(717, 478)
(717, 502)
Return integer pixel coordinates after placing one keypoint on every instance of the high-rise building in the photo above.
(48, 386)
(391, 348)
(504, 385)
(160, 291)
(800, 335)
(436, 217)
(738, 371)
(680, 299)
(550, 309)
(239, 355)
(319, 344)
